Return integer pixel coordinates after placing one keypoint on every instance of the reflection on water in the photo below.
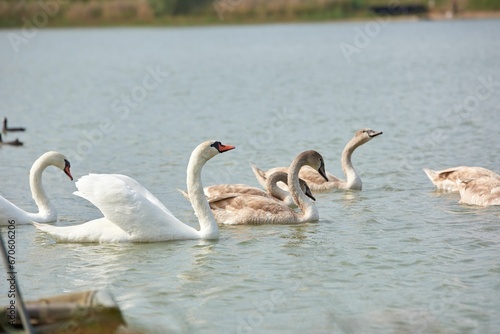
(395, 257)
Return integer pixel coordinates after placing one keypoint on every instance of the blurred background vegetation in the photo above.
(18, 13)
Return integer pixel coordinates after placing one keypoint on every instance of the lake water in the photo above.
(397, 257)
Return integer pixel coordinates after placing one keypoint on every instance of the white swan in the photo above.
(218, 192)
(316, 182)
(46, 211)
(133, 214)
(446, 179)
(251, 209)
(482, 191)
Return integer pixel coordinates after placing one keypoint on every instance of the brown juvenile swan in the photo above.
(316, 182)
(446, 179)
(483, 191)
(251, 209)
(218, 192)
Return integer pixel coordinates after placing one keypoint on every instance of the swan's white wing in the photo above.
(136, 186)
(98, 230)
(133, 184)
(130, 206)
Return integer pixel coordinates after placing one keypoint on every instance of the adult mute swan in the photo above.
(446, 179)
(46, 211)
(218, 192)
(316, 182)
(251, 209)
(133, 214)
(483, 191)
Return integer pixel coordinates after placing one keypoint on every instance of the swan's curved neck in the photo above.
(306, 206)
(353, 179)
(208, 225)
(273, 188)
(37, 191)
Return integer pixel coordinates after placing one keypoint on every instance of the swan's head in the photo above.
(365, 135)
(211, 148)
(58, 160)
(316, 161)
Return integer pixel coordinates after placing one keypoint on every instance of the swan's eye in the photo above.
(216, 145)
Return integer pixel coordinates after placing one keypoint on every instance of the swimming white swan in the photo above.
(446, 179)
(251, 209)
(482, 191)
(46, 211)
(222, 191)
(133, 214)
(316, 182)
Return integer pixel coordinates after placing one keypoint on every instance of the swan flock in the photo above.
(131, 213)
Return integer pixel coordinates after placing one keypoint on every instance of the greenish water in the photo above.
(398, 257)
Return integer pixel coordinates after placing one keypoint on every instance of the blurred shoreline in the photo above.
(110, 13)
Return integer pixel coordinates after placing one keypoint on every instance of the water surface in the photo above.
(397, 257)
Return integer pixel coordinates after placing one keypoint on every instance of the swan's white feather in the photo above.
(98, 230)
(131, 207)
(88, 182)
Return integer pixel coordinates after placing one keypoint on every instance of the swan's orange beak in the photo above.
(224, 148)
(67, 170)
